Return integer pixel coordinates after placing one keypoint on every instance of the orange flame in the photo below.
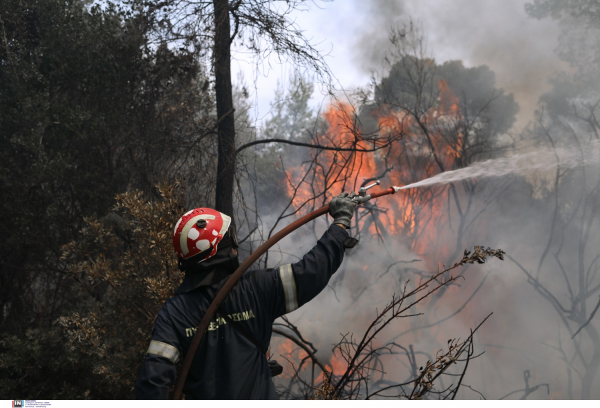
(345, 167)
(432, 143)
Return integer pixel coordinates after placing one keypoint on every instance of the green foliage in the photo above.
(294, 120)
(125, 269)
(292, 117)
(122, 270)
(579, 22)
(573, 93)
(474, 88)
(88, 108)
(39, 365)
(479, 97)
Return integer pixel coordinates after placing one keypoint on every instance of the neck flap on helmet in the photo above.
(212, 270)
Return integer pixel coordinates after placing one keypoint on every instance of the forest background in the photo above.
(115, 118)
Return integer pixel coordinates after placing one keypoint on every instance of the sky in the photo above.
(353, 36)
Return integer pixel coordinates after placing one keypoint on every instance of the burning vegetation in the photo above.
(398, 139)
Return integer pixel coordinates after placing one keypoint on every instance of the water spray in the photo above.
(521, 164)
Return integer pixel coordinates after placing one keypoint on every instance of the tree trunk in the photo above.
(226, 125)
(592, 366)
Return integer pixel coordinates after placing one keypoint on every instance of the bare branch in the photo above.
(588, 320)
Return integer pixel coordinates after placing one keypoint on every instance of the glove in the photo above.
(342, 208)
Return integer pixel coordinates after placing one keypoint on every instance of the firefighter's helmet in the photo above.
(198, 233)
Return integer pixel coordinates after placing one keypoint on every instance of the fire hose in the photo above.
(230, 283)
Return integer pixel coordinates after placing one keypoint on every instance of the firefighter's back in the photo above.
(228, 364)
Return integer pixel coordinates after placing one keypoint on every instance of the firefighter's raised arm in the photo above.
(302, 281)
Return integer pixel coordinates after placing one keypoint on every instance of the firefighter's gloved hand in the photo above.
(342, 208)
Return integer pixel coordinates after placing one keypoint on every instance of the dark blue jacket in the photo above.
(227, 364)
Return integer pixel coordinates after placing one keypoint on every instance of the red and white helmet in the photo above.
(199, 232)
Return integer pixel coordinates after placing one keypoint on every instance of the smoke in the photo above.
(550, 234)
(354, 37)
(519, 49)
(519, 336)
(525, 332)
(377, 17)
(522, 164)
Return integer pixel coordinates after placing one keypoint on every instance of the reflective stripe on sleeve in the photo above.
(289, 287)
(165, 350)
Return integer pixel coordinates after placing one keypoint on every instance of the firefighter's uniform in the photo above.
(228, 365)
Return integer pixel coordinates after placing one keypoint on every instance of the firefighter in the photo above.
(231, 361)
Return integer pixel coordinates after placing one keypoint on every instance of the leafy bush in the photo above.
(125, 269)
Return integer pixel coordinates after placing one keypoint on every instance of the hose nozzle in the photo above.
(363, 190)
(362, 196)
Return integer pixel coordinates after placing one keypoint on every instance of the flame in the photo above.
(344, 167)
(286, 348)
(431, 144)
(338, 364)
